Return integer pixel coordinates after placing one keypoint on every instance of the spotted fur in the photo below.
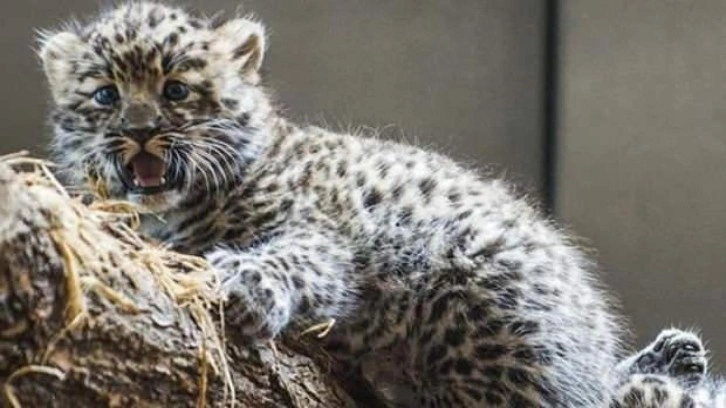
(473, 297)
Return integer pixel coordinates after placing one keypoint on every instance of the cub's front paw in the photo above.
(254, 309)
(245, 321)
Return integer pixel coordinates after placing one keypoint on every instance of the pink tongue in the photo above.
(148, 169)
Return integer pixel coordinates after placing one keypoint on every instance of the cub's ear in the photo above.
(60, 54)
(242, 41)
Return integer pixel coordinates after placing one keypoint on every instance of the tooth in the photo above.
(136, 182)
(163, 180)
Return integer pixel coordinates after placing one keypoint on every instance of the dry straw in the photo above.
(89, 237)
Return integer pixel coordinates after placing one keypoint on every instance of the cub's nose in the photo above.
(140, 120)
(140, 135)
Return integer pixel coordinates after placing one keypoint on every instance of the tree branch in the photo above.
(92, 315)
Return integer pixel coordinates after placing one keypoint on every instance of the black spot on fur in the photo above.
(342, 169)
(524, 328)
(383, 170)
(298, 282)
(446, 367)
(454, 196)
(454, 337)
(243, 119)
(437, 353)
(372, 198)
(518, 376)
(361, 179)
(508, 299)
(463, 215)
(491, 328)
(230, 103)
(493, 373)
(426, 186)
(473, 394)
(487, 351)
(153, 20)
(171, 40)
(439, 307)
(195, 23)
(517, 400)
(494, 398)
(477, 313)
(463, 366)
(191, 64)
(661, 395)
(397, 192)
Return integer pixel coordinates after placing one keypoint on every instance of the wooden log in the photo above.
(91, 315)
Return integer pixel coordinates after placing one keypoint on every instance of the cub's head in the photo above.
(154, 104)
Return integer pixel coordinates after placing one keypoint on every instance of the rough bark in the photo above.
(91, 316)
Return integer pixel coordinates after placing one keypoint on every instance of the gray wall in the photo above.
(641, 130)
(464, 79)
(642, 168)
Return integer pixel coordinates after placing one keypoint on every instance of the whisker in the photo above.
(220, 157)
(215, 162)
(211, 166)
(201, 167)
(227, 155)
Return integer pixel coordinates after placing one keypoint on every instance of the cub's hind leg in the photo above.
(451, 347)
(675, 353)
(466, 346)
(668, 372)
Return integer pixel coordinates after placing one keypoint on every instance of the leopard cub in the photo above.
(472, 296)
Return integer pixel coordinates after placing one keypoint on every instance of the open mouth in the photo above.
(145, 173)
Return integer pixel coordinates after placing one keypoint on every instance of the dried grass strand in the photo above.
(83, 238)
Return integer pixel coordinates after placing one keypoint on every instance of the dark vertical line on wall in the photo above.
(551, 54)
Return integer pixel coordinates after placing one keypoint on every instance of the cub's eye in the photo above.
(106, 95)
(175, 91)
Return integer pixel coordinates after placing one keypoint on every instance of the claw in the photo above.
(690, 347)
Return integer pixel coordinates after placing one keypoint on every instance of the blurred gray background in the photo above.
(618, 125)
